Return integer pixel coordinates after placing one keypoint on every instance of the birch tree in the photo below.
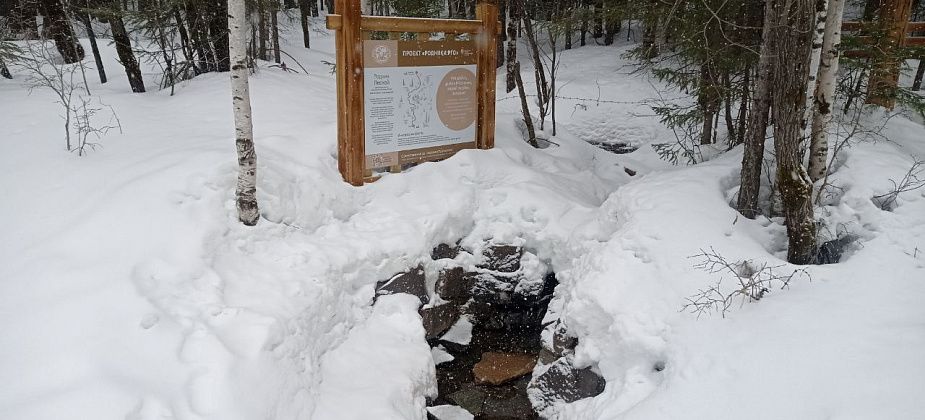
(824, 95)
(246, 193)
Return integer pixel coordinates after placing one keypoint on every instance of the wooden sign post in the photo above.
(412, 90)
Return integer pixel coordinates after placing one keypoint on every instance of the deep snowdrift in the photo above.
(128, 290)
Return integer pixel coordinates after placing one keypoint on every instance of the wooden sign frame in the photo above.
(352, 29)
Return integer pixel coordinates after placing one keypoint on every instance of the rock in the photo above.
(411, 282)
(562, 342)
(563, 382)
(470, 398)
(438, 319)
(502, 258)
(498, 368)
(495, 288)
(448, 412)
(445, 251)
(455, 284)
(515, 406)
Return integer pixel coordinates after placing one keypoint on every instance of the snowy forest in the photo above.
(660, 209)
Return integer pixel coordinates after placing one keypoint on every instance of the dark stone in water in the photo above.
(831, 252)
(410, 282)
(455, 284)
(563, 382)
(445, 251)
(470, 397)
(438, 319)
(615, 148)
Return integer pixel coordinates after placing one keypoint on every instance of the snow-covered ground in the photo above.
(129, 291)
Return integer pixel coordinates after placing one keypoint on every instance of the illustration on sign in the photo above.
(421, 100)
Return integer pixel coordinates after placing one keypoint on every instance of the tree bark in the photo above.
(274, 29)
(525, 107)
(512, 64)
(4, 72)
(824, 95)
(304, 12)
(917, 82)
(218, 33)
(246, 193)
(58, 25)
(94, 48)
(753, 157)
(792, 34)
(124, 50)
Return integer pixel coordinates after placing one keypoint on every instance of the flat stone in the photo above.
(438, 319)
(455, 284)
(516, 407)
(564, 383)
(411, 282)
(498, 368)
(469, 398)
(502, 258)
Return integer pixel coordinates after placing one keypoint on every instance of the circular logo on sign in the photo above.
(457, 103)
(382, 54)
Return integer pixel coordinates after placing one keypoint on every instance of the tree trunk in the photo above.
(218, 33)
(59, 27)
(512, 64)
(525, 107)
(824, 96)
(792, 34)
(274, 30)
(184, 38)
(753, 157)
(4, 72)
(304, 12)
(917, 82)
(94, 48)
(124, 50)
(263, 34)
(246, 193)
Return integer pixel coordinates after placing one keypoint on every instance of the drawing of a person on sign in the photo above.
(418, 99)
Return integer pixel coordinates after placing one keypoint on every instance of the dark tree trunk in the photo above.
(59, 28)
(917, 82)
(184, 38)
(94, 48)
(753, 156)
(512, 64)
(709, 100)
(200, 38)
(598, 25)
(4, 72)
(303, 20)
(274, 30)
(792, 34)
(218, 33)
(528, 120)
(124, 50)
(263, 33)
(584, 22)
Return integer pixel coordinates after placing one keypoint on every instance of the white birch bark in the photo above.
(824, 95)
(246, 192)
(815, 58)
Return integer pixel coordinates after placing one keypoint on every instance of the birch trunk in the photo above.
(824, 95)
(246, 194)
(512, 63)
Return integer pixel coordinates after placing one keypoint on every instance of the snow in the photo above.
(129, 290)
(460, 332)
(450, 412)
(440, 355)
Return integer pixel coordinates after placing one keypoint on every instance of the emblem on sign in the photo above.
(382, 54)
